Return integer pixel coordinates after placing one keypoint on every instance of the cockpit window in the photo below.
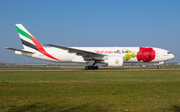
(168, 52)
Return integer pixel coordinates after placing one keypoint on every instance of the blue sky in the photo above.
(91, 23)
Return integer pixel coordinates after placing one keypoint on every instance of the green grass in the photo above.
(90, 91)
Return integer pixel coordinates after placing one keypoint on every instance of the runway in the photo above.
(163, 69)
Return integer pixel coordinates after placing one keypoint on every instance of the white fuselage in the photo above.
(64, 56)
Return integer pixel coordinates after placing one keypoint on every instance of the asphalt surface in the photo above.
(96, 70)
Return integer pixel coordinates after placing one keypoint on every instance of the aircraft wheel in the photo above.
(158, 67)
(96, 67)
(91, 67)
(87, 68)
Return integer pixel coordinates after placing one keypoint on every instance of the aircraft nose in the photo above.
(172, 56)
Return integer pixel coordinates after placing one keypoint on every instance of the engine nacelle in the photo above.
(115, 61)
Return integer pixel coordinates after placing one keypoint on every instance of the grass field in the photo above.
(90, 91)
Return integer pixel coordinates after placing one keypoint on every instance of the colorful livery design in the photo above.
(112, 56)
(146, 54)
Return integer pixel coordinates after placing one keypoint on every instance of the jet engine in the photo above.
(114, 61)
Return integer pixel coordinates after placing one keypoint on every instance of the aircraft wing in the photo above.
(80, 52)
(18, 50)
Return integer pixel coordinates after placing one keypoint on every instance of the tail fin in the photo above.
(26, 38)
(29, 42)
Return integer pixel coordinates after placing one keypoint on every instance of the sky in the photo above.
(90, 23)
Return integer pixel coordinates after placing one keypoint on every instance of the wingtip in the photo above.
(6, 47)
(52, 45)
(47, 44)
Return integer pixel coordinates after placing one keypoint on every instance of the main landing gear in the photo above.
(158, 67)
(91, 67)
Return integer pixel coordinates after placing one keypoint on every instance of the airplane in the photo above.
(111, 56)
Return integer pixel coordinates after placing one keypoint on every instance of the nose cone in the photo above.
(172, 56)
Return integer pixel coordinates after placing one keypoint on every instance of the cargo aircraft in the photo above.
(111, 56)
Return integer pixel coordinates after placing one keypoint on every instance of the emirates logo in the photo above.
(116, 61)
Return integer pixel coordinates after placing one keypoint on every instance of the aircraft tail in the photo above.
(30, 43)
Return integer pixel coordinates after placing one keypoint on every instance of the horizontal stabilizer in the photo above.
(18, 50)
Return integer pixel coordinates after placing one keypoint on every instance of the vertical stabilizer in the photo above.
(30, 43)
(26, 39)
